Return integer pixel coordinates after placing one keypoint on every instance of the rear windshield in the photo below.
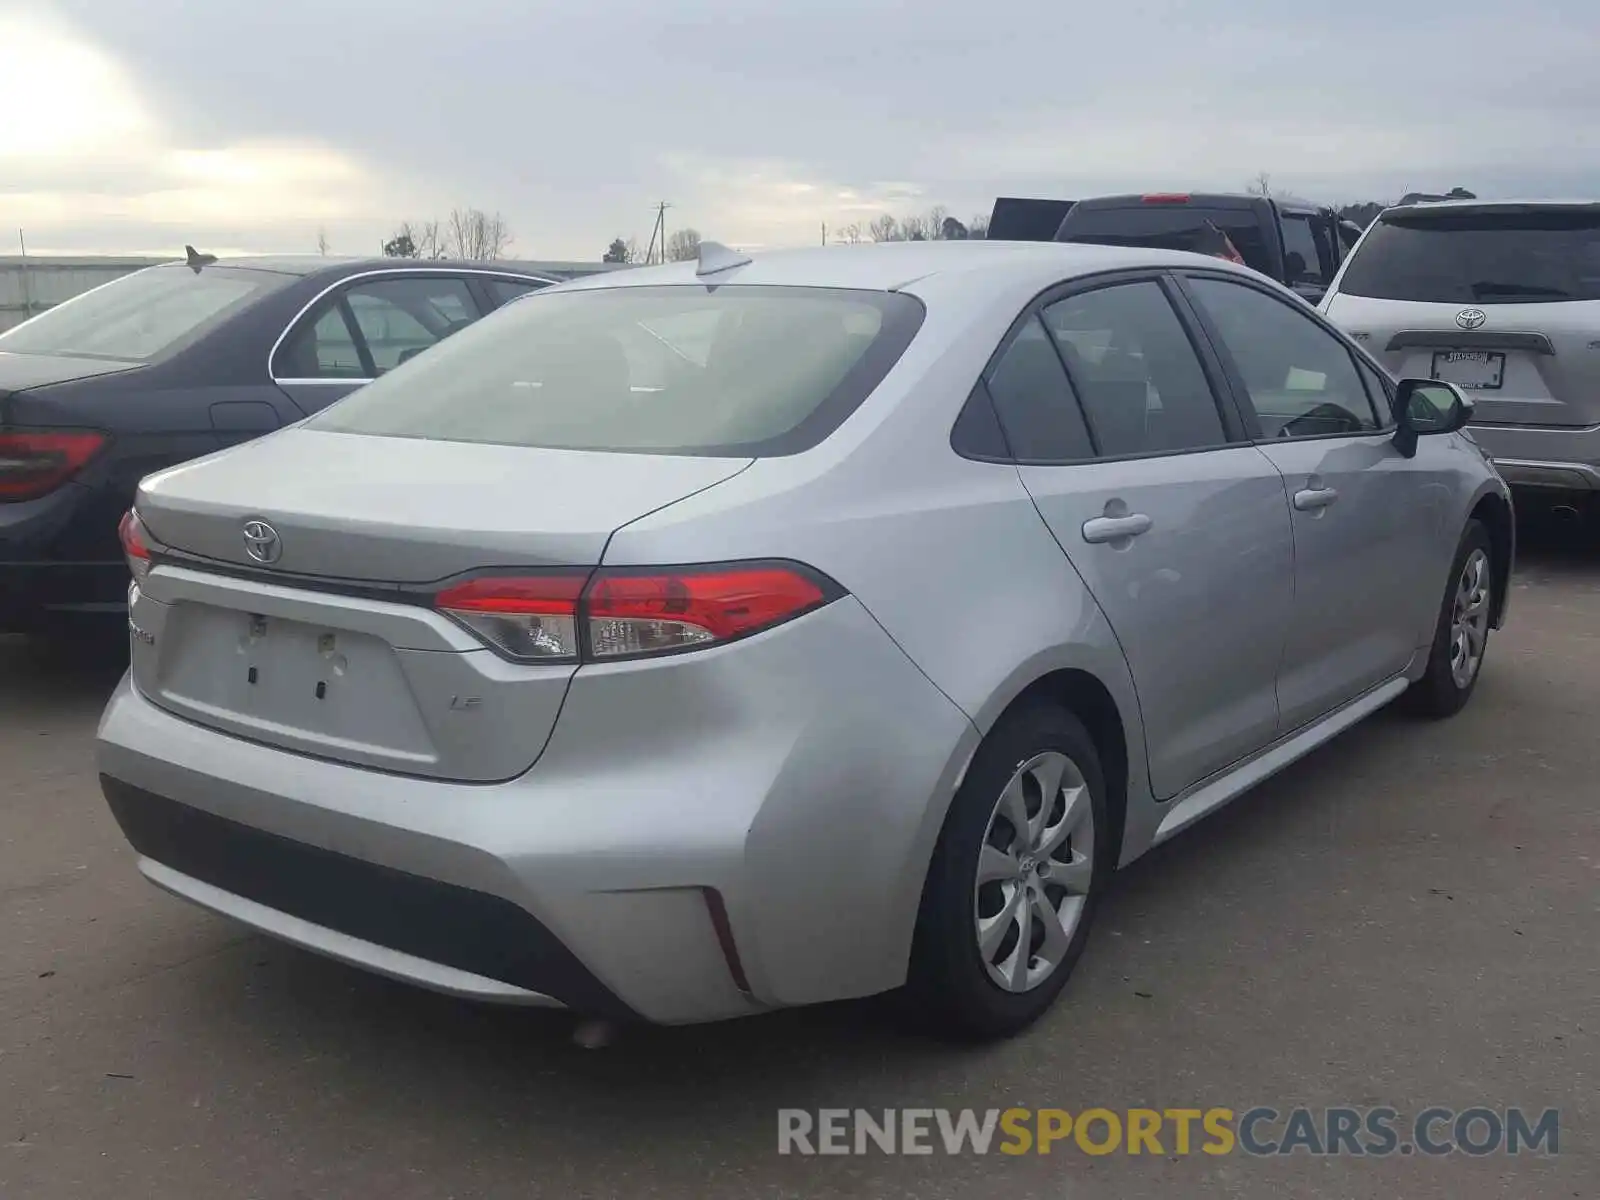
(1481, 257)
(724, 370)
(1170, 227)
(142, 315)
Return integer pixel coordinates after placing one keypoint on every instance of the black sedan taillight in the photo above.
(34, 463)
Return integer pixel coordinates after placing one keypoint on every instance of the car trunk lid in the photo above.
(333, 648)
(1520, 364)
(398, 511)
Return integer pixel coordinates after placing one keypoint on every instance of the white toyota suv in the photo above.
(1502, 299)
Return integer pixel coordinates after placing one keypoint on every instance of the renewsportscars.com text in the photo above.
(1258, 1131)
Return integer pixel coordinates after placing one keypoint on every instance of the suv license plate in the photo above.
(1474, 370)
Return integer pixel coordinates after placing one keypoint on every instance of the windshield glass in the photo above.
(669, 370)
(140, 316)
(1480, 256)
(1170, 227)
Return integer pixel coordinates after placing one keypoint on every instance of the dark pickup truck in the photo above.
(1298, 243)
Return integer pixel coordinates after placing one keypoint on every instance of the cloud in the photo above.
(761, 121)
(97, 157)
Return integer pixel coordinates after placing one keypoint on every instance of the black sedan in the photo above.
(179, 360)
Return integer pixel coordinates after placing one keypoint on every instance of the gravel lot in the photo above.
(1410, 917)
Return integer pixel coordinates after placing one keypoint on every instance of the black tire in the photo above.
(1437, 694)
(949, 988)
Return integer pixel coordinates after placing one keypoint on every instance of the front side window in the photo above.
(143, 315)
(727, 370)
(1479, 256)
(1135, 370)
(1378, 389)
(1299, 378)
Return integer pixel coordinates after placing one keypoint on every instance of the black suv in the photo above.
(1297, 243)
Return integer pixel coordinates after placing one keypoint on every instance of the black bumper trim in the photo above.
(440, 922)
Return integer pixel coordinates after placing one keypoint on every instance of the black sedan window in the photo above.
(142, 315)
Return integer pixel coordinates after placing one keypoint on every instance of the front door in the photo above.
(1180, 531)
(1363, 534)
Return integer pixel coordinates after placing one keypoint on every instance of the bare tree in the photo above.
(851, 234)
(475, 235)
(884, 228)
(430, 241)
(978, 227)
(683, 245)
(322, 242)
(934, 223)
(1261, 185)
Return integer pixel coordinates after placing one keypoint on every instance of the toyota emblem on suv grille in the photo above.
(261, 542)
(1471, 318)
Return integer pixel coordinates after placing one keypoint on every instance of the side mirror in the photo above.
(1424, 406)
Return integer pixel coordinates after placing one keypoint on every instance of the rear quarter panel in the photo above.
(948, 555)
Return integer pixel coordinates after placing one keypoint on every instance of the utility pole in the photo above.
(658, 231)
(824, 233)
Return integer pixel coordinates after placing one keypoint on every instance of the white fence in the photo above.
(31, 285)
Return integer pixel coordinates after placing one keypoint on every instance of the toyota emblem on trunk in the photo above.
(261, 542)
(1471, 318)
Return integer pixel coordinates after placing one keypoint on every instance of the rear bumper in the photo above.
(741, 829)
(1544, 456)
(39, 572)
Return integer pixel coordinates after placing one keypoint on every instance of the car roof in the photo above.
(315, 264)
(893, 266)
(1491, 205)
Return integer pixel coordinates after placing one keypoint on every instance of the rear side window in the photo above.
(506, 290)
(1135, 370)
(1302, 262)
(681, 369)
(1034, 401)
(142, 315)
(1479, 256)
(1170, 227)
(400, 318)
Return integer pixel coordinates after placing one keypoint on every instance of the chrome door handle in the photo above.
(1109, 529)
(1311, 499)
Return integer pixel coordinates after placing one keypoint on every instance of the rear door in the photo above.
(1367, 535)
(1502, 300)
(1179, 530)
(365, 328)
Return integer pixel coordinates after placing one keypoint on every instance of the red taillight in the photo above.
(625, 613)
(533, 617)
(649, 612)
(135, 545)
(33, 464)
(1166, 198)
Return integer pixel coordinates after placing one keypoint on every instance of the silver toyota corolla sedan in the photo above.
(697, 641)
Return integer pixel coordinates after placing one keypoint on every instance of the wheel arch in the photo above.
(1087, 698)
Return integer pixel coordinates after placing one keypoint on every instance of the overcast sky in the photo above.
(138, 125)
